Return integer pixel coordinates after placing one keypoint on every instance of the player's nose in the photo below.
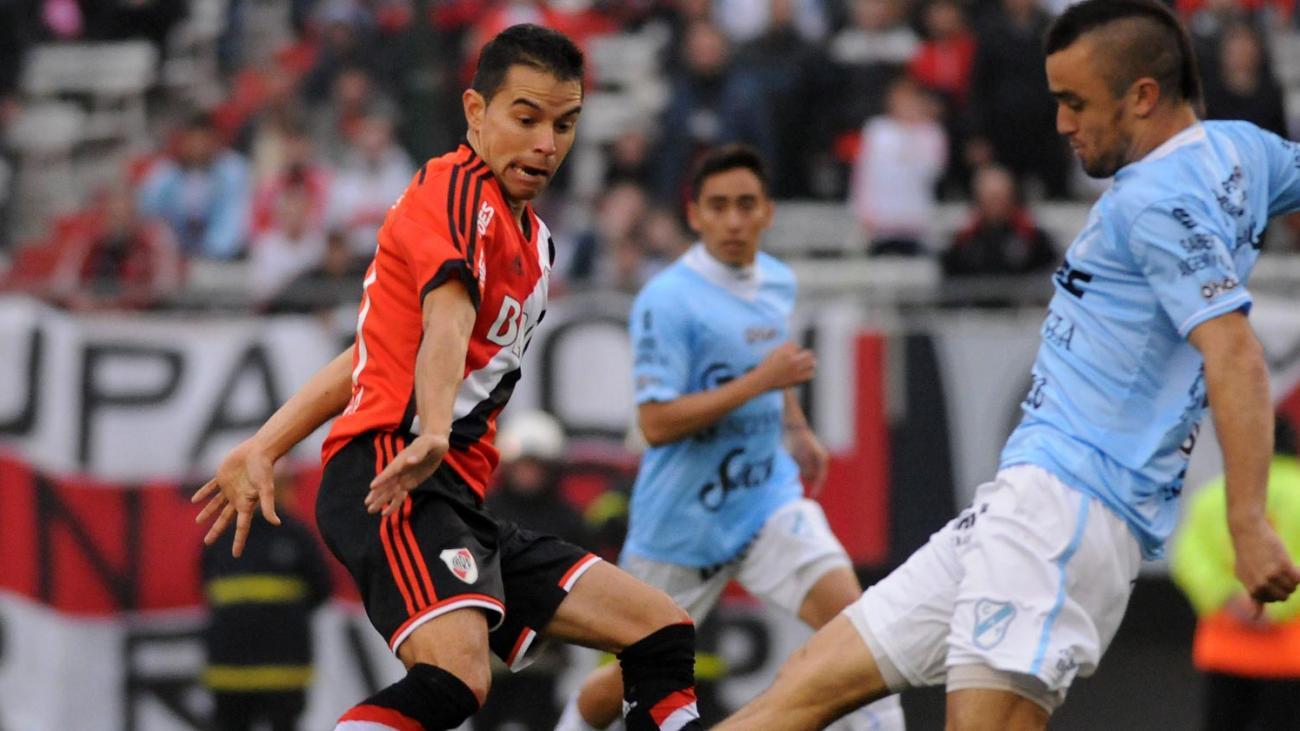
(544, 143)
(1065, 122)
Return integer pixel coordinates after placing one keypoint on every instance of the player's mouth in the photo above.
(530, 174)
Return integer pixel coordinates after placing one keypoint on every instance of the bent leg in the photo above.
(835, 590)
(447, 677)
(985, 709)
(833, 673)
(609, 610)
(654, 638)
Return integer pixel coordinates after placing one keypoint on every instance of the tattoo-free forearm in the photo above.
(320, 399)
(668, 421)
(1236, 378)
(440, 361)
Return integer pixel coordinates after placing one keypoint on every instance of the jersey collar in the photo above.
(1193, 133)
(740, 281)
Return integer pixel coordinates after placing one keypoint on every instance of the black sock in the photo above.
(659, 681)
(428, 697)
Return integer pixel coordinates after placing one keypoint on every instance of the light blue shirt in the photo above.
(1117, 392)
(695, 326)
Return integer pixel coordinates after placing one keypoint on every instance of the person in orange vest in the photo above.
(1250, 656)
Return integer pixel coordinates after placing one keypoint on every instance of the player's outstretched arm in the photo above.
(664, 422)
(245, 478)
(1236, 377)
(439, 369)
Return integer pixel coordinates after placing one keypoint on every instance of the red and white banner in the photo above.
(110, 422)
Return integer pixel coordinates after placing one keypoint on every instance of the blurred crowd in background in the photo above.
(157, 151)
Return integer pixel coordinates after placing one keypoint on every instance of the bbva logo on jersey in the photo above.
(510, 329)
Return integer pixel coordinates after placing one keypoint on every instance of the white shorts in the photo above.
(1031, 580)
(793, 549)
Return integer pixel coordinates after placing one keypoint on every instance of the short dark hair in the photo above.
(527, 45)
(1153, 43)
(727, 157)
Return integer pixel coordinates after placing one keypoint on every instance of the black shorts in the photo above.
(441, 551)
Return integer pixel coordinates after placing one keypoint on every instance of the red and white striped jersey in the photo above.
(452, 222)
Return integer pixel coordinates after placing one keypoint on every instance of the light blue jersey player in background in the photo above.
(1024, 590)
(719, 494)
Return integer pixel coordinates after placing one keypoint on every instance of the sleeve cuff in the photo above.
(1241, 301)
(453, 269)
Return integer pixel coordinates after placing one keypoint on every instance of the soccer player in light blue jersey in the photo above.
(719, 494)
(1024, 590)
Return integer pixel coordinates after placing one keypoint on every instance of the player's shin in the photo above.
(659, 681)
(427, 697)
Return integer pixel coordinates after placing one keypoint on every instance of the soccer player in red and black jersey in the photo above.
(457, 285)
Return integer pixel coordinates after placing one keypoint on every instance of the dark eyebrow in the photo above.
(528, 103)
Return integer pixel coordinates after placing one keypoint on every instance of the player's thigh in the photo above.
(829, 676)
(1046, 575)
(834, 590)
(904, 618)
(607, 609)
(986, 709)
(796, 563)
(695, 590)
(456, 642)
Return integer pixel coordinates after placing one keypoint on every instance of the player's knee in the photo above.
(662, 611)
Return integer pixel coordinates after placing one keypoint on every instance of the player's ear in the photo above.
(475, 108)
(1146, 95)
(693, 215)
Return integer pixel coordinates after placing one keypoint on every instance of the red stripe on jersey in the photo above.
(366, 713)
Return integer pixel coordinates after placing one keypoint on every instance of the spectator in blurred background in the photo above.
(280, 116)
(620, 210)
(299, 172)
(337, 122)
(1001, 236)
(1243, 86)
(943, 66)
(294, 245)
(346, 42)
(867, 56)
(712, 101)
(116, 259)
(1207, 22)
(628, 158)
(373, 175)
(796, 83)
(1013, 118)
(336, 282)
(527, 492)
(1250, 655)
(202, 191)
(259, 638)
(900, 160)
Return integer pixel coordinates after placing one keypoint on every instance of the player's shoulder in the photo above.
(441, 186)
(671, 285)
(774, 270)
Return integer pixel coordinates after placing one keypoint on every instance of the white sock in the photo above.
(571, 719)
